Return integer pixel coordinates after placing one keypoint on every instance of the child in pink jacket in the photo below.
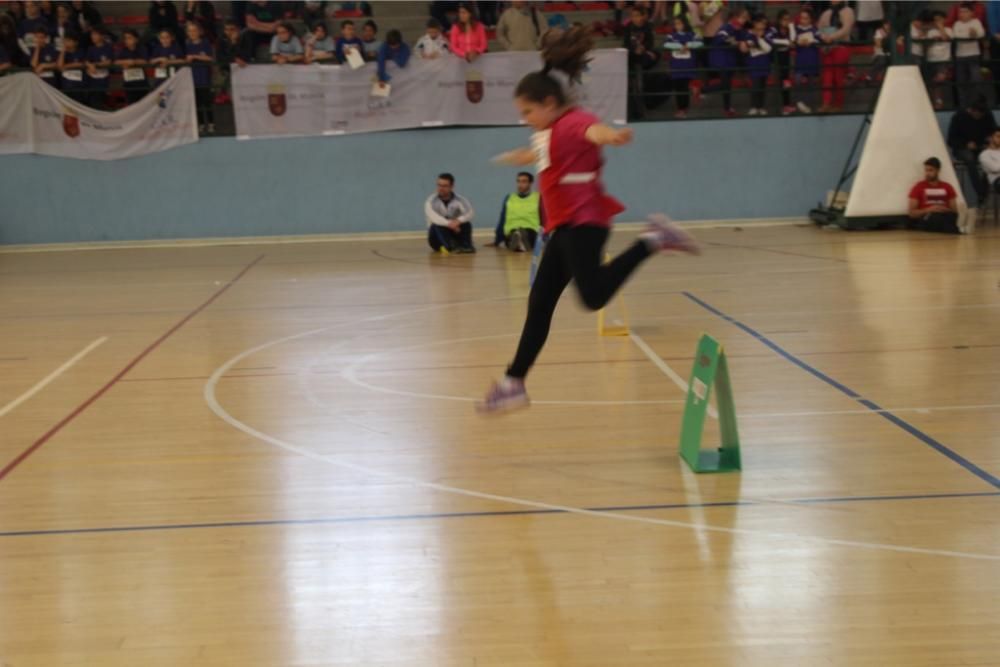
(468, 36)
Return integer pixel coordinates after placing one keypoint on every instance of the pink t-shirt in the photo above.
(569, 173)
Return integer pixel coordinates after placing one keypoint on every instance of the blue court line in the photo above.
(871, 405)
(466, 515)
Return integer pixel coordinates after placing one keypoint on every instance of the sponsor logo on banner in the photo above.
(474, 88)
(71, 124)
(277, 102)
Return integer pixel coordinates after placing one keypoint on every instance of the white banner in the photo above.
(310, 100)
(37, 118)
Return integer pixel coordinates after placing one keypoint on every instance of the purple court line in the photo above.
(472, 515)
(937, 446)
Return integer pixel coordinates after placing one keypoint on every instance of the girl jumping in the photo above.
(566, 151)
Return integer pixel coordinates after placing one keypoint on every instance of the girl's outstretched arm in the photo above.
(519, 157)
(602, 135)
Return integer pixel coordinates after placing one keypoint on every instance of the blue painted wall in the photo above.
(695, 170)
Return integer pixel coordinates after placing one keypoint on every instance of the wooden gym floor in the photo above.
(268, 455)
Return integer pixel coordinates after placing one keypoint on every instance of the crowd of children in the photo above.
(806, 55)
(800, 54)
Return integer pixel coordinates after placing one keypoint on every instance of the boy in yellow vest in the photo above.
(520, 217)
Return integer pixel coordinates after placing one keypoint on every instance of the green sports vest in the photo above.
(522, 213)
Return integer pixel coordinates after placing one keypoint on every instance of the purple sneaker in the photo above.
(506, 395)
(662, 234)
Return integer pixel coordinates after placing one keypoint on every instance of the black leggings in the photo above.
(571, 253)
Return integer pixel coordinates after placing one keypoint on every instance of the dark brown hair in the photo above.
(567, 53)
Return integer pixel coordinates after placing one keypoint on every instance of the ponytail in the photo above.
(565, 52)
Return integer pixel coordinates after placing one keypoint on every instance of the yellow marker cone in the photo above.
(617, 327)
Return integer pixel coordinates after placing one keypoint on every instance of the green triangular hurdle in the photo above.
(710, 368)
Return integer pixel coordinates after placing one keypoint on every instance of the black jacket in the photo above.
(964, 129)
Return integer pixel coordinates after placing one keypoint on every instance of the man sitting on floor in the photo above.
(932, 202)
(449, 218)
(520, 217)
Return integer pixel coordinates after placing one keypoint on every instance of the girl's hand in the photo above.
(622, 137)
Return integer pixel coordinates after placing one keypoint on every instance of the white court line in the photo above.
(212, 401)
(52, 376)
(667, 370)
(350, 373)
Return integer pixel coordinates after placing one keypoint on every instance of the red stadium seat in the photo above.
(133, 20)
(348, 14)
(560, 7)
(595, 6)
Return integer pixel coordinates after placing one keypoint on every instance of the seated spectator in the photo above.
(521, 217)
(200, 56)
(938, 59)
(805, 36)
(320, 48)
(683, 68)
(638, 39)
(780, 37)
(449, 218)
(520, 27)
(86, 17)
(236, 46)
(468, 36)
(4, 60)
(968, 31)
(286, 46)
(444, 12)
(263, 19)
(11, 44)
(133, 58)
(932, 202)
(165, 57)
(44, 59)
(15, 10)
(989, 160)
(163, 16)
(883, 51)
(395, 50)
(369, 37)
(432, 44)
(968, 132)
(724, 54)
(64, 24)
(72, 61)
(48, 12)
(348, 41)
(835, 27)
(202, 13)
(758, 60)
(313, 12)
(363, 7)
(100, 56)
(29, 26)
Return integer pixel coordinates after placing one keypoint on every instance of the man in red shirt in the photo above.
(932, 202)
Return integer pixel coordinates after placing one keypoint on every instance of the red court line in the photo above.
(9, 468)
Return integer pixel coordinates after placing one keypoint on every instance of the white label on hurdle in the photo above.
(699, 388)
(432, 123)
(330, 133)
